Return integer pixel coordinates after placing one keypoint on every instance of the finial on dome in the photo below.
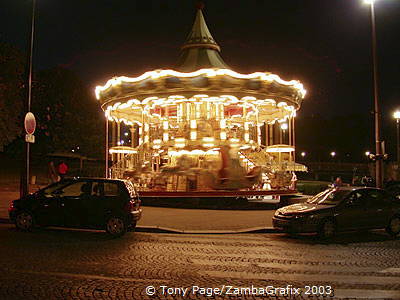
(200, 5)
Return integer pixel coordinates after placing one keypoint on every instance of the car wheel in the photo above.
(393, 227)
(116, 227)
(24, 221)
(327, 229)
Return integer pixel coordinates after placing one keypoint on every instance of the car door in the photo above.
(95, 206)
(112, 198)
(352, 212)
(379, 208)
(73, 197)
(49, 210)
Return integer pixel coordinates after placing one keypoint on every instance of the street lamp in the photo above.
(303, 154)
(378, 143)
(24, 183)
(396, 115)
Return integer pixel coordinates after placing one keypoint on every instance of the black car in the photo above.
(341, 209)
(95, 203)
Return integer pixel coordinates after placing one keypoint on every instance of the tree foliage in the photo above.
(11, 93)
(68, 116)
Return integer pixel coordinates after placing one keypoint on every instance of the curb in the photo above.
(160, 229)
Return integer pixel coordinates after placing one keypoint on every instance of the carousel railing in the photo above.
(130, 162)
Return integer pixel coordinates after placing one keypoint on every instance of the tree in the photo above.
(68, 116)
(11, 93)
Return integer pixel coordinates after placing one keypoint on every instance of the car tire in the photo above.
(393, 227)
(24, 221)
(116, 226)
(327, 229)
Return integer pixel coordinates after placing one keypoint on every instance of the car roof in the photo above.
(353, 188)
(94, 179)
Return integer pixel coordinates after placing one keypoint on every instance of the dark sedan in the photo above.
(341, 209)
(95, 203)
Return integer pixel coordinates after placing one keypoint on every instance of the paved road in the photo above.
(66, 264)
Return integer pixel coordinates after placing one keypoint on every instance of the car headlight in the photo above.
(304, 216)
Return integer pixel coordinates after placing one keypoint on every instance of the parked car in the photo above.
(341, 209)
(95, 203)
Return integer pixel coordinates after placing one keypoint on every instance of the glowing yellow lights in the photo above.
(284, 126)
(193, 135)
(208, 139)
(180, 140)
(165, 125)
(279, 148)
(223, 135)
(396, 115)
(369, 2)
(116, 81)
(121, 150)
(193, 152)
(193, 124)
(165, 136)
(208, 145)
(157, 141)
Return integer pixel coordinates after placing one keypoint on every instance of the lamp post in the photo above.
(378, 142)
(396, 115)
(24, 188)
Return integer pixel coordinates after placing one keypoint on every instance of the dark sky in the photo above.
(324, 44)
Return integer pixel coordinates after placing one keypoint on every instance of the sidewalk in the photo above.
(183, 220)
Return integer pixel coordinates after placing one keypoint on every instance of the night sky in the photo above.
(324, 44)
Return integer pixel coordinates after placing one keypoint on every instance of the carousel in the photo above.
(202, 127)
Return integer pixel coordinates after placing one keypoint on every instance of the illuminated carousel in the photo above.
(202, 127)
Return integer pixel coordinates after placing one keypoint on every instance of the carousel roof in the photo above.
(201, 72)
(200, 49)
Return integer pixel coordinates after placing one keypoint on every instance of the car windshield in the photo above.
(328, 197)
(47, 191)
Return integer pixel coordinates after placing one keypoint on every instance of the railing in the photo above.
(130, 162)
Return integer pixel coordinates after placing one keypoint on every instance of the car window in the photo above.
(97, 189)
(376, 197)
(76, 189)
(111, 189)
(357, 198)
(48, 191)
(328, 197)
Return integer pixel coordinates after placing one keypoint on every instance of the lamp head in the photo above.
(396, 114)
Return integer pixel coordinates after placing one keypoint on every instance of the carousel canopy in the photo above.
(201, 74)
